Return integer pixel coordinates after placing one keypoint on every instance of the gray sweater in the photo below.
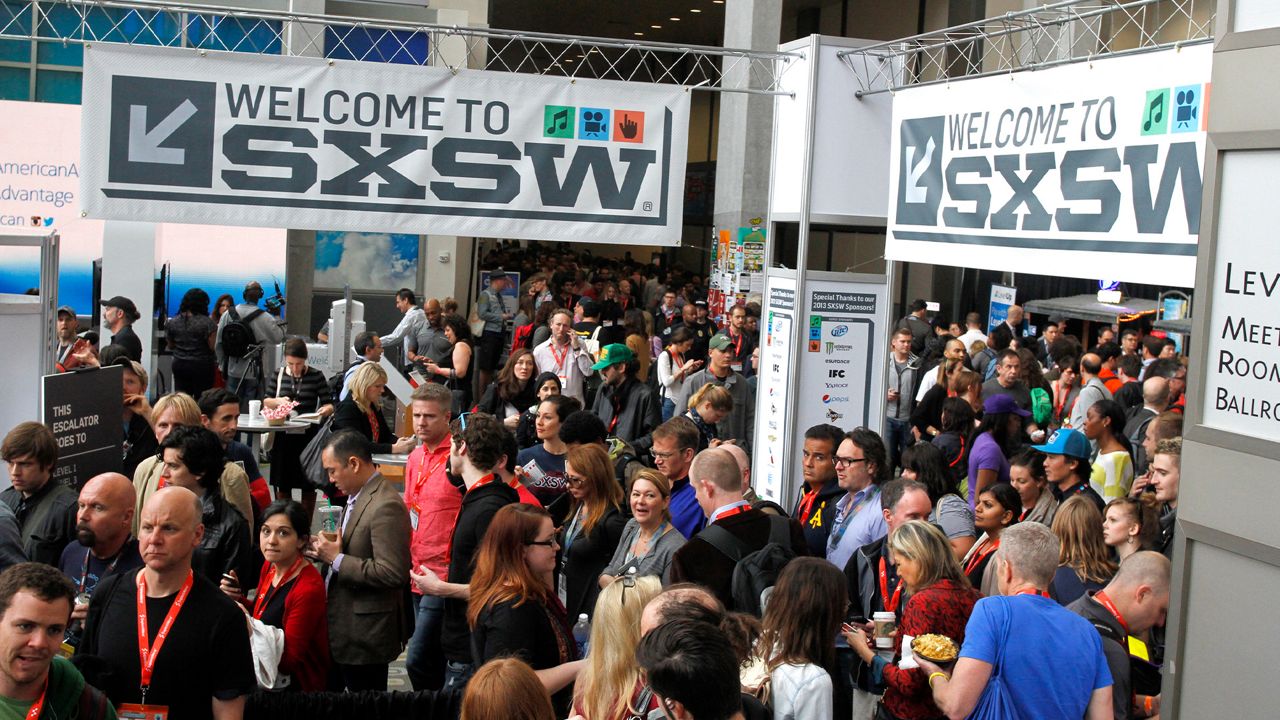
(654, 562)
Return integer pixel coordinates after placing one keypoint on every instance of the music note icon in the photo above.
(559, 122)
(1155, 114)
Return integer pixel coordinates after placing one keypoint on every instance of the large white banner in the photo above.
(1088, 170)
(237, 139)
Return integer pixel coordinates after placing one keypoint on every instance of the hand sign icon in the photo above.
(628, 127)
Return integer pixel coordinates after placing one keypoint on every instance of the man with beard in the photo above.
(103, 544)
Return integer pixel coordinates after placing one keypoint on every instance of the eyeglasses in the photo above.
(462, 419)
(842, 461)
(574, 480)
(544, 543)
(664, 455)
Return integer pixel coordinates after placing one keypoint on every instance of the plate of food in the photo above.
(935, 648)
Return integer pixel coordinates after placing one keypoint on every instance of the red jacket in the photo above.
(306, 630)
(943, 608)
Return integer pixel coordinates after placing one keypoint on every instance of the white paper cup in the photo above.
(886, 623)
(255, 409)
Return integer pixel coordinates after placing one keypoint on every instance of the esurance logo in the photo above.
(331, 147)
(1078, 167)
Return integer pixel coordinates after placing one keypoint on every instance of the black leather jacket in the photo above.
(225, 546)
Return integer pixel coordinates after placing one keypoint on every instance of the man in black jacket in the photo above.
(1136, 600)
(478, 446)
(717, 481)
(45, 510)
(118, 315)
(629, 408)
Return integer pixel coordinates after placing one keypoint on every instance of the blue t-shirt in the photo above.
(686, 513)
(1053, 659)
(552, 484)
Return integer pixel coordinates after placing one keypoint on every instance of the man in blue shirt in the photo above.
(674, 443)
(1046, 661)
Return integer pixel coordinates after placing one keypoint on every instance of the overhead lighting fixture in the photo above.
(718, 2)
(694, 10)
(674, 19)
(656, 27)
(638, 34)
(568, 60)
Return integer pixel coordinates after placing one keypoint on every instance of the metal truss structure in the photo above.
(1050, 35)
(210, 27)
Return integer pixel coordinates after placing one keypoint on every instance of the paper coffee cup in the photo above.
(886, 624)
(255, 409)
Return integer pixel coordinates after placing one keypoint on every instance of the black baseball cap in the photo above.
(123, 304)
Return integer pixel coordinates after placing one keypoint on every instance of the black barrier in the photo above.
(84, 411)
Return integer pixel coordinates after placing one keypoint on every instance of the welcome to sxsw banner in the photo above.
(1087, 170)
(236, 139)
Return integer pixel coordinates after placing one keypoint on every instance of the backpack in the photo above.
(754, 573)
(1041, 406)
(238, 335)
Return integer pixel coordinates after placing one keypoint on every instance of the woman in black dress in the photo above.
(298, 382)
(189, 335)
(513, 609)
(453, 370)
(592, 527)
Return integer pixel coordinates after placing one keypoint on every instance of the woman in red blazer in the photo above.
(291, 596)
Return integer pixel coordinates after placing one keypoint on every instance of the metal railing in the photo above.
(211, 27)
(1050, 35)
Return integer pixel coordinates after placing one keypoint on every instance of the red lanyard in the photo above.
(737, 346)
(890, 603)
(38, 706)
(268, 592)
(731, 512)
(677, 360)
(560, 357)
(959, 455)
(977, 559)
(806, 505)
(1105, 601)
(1033, 591)
(422, 476)
(147, 658)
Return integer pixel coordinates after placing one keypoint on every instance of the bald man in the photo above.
(734, 530)
(206, 669)
(1136, 600)
(103, 545)
(429, 344)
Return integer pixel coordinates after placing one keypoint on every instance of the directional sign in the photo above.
(83, 409)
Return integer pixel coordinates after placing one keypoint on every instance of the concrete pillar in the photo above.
(746, 121)
(300, 261)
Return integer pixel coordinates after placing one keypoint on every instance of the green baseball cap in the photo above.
(613, 355)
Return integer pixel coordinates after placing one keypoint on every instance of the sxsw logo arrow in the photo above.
(161, 132)
(920, 170)
(144, 145)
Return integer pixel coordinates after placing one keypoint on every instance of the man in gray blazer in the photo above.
(369, 616)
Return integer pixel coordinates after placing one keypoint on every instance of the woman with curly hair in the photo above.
(454, 369)
(190, 336)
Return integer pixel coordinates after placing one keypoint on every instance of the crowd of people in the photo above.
(577, 535)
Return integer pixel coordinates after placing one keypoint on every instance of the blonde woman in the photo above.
(707, 407)
(1084, 560)
(362, 411)
(609, 687)
(649, 539)
(180, 410)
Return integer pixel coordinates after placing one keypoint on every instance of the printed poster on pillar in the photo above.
(236, 139)
(1088, 170)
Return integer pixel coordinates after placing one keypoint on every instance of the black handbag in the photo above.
(313, 471)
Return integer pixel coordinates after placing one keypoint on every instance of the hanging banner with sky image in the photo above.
(237, 139)
(1088, 170)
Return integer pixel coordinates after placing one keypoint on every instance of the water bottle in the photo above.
(582, 635)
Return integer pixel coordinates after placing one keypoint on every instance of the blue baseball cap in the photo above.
(1066, 441)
